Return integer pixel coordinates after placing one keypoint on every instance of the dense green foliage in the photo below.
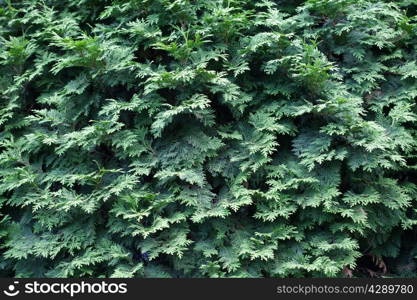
(206, 138)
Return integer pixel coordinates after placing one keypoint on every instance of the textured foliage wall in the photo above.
(206, 138)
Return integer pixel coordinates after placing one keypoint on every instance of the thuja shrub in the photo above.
(206, 138)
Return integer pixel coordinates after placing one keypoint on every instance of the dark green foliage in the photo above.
(205, 138)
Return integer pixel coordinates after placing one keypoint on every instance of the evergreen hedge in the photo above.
(208, 138)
